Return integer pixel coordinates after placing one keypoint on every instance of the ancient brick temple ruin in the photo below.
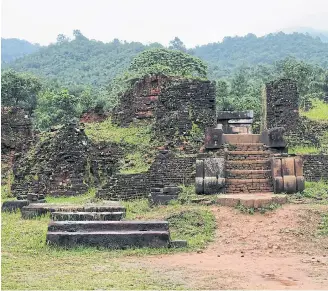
(225, 158)
(215, 151)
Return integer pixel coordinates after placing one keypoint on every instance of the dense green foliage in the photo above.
(155, 61)
(169, 62)
(13, 48)
(244, 89)
(19, 90)
(56, 108)
(81, 61)
(224, 57)
(95, 74)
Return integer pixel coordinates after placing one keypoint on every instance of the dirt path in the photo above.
(276, 250)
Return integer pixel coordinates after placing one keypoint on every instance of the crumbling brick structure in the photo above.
(167, 169)
(282, 100)
(315, 167)
(281, 104)
(171, 104)
(16, 130)
(64, 162)
(16, 136)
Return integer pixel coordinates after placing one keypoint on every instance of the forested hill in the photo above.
(13, 48)
(84, 61)
(81, 61)
(223, 57)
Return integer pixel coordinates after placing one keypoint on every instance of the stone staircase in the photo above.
(109, 234)
(99, 225)
(248, 165)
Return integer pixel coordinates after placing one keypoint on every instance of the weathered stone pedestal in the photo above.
(256, 200)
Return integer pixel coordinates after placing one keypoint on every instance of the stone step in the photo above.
(14, 205)
(83, 226)
(34, 210)
(248, 185)
(87, 216)
(111, 239)
(242, 138)
(248, 174)
(247, 147)
(249, 165)
(256, 200)
(247, 155)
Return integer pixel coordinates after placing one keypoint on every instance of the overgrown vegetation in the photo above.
(19, 89)
(136, 141)
(303, 150)
(88, 74)
(25, 253)
(316, 190)
(243, 90)
(6, 181)
(252, 210)
(318, 112)
(80, 199)
(323, 228)
(84, 61)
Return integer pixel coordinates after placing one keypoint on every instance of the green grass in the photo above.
(316, 190)
(319, 112)
(252, 210)
(107, 131)
(323, 228)
(136, 162)
(28, 263)
(6, 181)
(80, 199)
(136, 139)
(303, 150)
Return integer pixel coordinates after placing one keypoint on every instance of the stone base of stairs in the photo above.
(15, 205)
(111, 234)
(111, 239)
(256, 200)
(38, 209)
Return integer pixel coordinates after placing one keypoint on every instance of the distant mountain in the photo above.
(88, 62)
(80, 61)
(224, 57)
(14, 48)
(322, 34)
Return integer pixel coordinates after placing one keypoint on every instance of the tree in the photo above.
(239, 84)
(222, 95)
(78, 35)
(19, 90)
(174, 63)
(61, 38)
(56, 107)
(177, 44)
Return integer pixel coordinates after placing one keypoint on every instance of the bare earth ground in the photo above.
(276, 250)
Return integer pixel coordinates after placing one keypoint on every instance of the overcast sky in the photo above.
(194, 22)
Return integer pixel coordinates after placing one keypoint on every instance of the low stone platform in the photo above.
(256, 200)
(111, 234)
(111, 239)
(127, 225)
(87, 216)
(35, 210)
(14, 205)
